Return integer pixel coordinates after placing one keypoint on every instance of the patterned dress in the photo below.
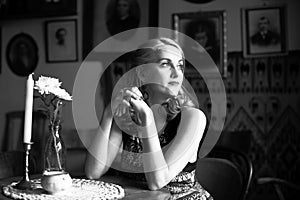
(184, 186)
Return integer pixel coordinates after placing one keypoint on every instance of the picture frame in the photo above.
(22, 54)
(61, 41)
(264, 31)
(14, 9)
(144, 13)
(210, 22)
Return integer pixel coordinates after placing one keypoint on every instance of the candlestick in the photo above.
(28, 110)
(25, 183)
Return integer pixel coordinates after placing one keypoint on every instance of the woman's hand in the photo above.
(130, 101)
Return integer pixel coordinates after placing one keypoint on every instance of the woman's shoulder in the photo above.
(192, 112)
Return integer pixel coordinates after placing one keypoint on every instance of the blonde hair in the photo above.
(149, 52)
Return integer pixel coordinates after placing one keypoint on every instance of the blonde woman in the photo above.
(152, 126)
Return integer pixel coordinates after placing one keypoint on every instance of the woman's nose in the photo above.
(174, 72)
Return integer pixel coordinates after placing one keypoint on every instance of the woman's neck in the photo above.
(155, 97)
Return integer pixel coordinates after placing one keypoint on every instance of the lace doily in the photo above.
(81, 189)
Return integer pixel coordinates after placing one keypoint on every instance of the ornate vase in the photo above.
(56, 182)
(55, 151)
(55, 179)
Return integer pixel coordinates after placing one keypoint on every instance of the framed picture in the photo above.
(264, 31)
(13, 9)
(119, 20)
(208, 30)
(61, 41)
(22, 54)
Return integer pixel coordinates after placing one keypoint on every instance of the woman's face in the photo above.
(167, 73)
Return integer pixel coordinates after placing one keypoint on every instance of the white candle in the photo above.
(28, 110)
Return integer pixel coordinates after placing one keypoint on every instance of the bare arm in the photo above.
(163, 165)
(104, 148)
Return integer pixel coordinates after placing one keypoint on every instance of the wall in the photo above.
(12, 87)
(264, 120)
(233, 9)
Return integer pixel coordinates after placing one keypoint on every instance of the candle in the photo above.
(28, 110)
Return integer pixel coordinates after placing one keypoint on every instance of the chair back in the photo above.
(14, 130)
(220, 177)
(12, 164)
(242, 163)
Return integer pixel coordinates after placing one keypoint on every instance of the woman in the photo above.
(153, 124)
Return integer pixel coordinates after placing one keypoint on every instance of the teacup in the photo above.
(56, 181)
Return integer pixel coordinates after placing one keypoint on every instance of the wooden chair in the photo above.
(12, 164)
(225, 173)
(220, 177)
(278, 184)
(14, 128)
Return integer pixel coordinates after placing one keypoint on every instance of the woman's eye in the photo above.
(165, 64)
(181, 66)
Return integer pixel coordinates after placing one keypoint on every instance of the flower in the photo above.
(48, 85)
(62, 94)
(52, 95)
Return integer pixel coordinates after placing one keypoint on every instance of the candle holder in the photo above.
(25, 183)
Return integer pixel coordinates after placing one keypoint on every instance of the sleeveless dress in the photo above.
(184, 186)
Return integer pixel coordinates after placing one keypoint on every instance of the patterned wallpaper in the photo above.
(263, 117)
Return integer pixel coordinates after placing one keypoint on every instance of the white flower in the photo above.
(48, 85)
(61, 93)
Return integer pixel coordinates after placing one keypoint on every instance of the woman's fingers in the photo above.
(131, 94)
(122, 108)
(137, 92)
(139, 105)
(127, 97)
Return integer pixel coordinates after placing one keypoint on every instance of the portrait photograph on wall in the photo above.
(43, 8)
(22, 54)
(119, 16)
(207, 29)
(61, 41)
(264, 31)
(122, 15)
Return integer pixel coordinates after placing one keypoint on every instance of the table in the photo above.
(133, 190)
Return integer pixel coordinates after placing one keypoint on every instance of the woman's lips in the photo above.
(174, 83)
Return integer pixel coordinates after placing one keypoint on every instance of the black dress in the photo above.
(183, 186)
